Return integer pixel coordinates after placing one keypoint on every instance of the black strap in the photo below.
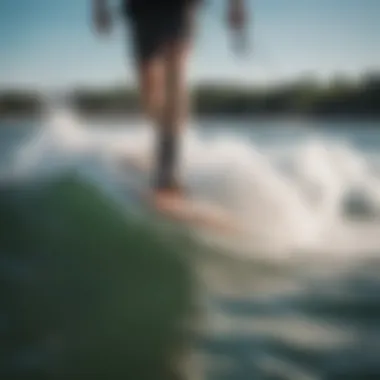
(167, 158)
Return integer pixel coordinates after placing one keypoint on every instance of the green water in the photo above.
(87, 291)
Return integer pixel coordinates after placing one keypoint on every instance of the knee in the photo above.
(151, 90)
(151, 103)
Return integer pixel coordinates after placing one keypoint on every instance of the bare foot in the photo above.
(174, 204)
(168, 199)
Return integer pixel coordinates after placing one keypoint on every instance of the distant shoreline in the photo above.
(304, 99)
(209, 120)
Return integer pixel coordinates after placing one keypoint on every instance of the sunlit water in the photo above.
(296, 296)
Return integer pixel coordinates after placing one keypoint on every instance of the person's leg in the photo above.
(175, 110)
(150, 62)
(176, 61)
(173, 116)
(161, 47)
(151, 74)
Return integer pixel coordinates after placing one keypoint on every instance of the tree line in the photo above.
(305, 97)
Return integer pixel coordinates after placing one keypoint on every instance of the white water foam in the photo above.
(292, 201)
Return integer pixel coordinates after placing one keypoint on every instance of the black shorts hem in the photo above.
(151, 31)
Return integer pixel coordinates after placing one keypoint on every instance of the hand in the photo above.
(236, 15)
(102, 19)
(236, 18)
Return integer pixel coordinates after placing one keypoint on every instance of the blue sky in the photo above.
(49, 43)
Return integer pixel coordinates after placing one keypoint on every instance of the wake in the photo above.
(315, 199)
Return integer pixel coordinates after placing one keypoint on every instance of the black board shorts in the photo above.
(157, 24)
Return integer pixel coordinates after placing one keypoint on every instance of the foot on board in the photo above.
(176, 205)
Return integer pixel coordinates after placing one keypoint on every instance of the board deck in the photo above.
(191, 211)
(196, 213)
